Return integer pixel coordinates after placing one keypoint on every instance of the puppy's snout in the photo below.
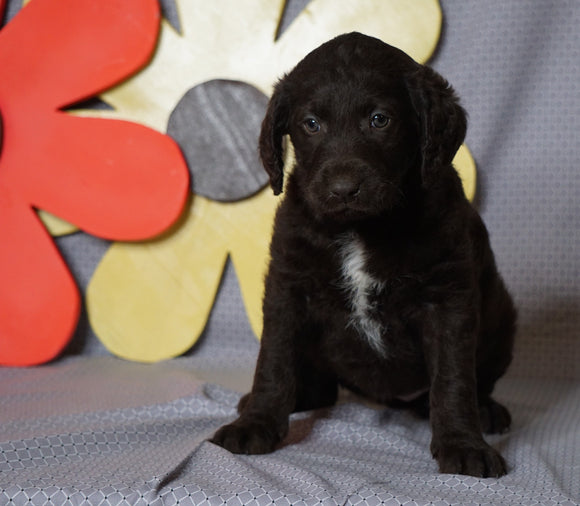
(345, 188)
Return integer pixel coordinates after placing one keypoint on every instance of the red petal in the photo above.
(114, 179)
(57, 52)
(39, 302)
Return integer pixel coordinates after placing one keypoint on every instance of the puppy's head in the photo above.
(368, 125)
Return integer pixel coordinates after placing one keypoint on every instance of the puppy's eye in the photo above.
(379, 120)
(311, 126)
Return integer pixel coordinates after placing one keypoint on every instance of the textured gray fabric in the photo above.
(97, 430)
(516, 66)
(12, 7)
(88, 440)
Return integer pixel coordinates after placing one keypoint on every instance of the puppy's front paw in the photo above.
(481, 461)
(248, 437)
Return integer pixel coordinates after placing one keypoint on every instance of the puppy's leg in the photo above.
(264, 412)
(314, 390)
(497, 339)
(494, 418)
(457, 443)
(263, 420)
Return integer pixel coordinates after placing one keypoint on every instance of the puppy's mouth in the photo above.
(340, 207)
(346, 210)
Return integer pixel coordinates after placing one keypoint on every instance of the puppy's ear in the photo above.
(274, 127)
(443, 122)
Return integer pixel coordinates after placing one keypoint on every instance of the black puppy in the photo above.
(381, 278)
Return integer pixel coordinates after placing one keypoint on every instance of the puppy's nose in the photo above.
(344, 188)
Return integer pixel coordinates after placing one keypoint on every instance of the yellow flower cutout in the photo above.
(150, 301)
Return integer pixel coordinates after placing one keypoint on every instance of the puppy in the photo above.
(381, 278)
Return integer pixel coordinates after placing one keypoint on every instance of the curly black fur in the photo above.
(381, 278)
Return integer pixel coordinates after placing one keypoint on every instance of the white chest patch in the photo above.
(362, 290)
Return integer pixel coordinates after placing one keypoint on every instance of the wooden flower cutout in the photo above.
(151, 301)
(114, 179)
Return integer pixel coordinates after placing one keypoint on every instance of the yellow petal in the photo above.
(55, 225)
(465, 166)
(243, 47)
(250, 223)
(150, 301)
(217, 43)
(411, 25)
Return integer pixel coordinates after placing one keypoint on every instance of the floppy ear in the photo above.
(443, 122)
(274, 127)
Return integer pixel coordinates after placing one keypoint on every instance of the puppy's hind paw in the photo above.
(247, 437)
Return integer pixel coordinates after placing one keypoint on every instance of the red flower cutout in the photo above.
(114, 179)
